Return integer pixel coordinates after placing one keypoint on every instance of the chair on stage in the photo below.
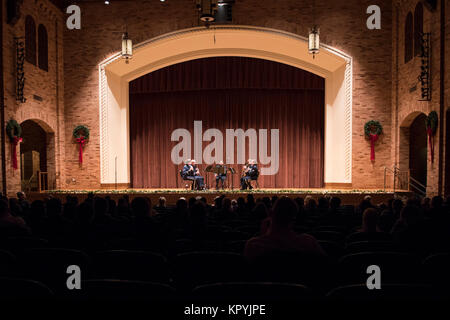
(187, 179)
(255, 178)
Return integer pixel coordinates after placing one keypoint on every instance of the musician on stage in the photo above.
(221, 177)
(250, 171)
(190, 171)
(199, 180)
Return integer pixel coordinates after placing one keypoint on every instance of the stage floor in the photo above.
(348, 196)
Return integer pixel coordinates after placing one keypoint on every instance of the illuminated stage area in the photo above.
(348, 197)
(189, 151)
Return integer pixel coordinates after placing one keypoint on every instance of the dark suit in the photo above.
(221, 177)
(251, 174)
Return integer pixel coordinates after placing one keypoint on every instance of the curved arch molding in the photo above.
(195, 43)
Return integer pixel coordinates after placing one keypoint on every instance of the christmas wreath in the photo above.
(14, 132)
(81, 135)
(81, 131)
(431, 123)
(373, 129)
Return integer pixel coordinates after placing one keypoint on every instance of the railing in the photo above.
(402, 180)
(42, 181)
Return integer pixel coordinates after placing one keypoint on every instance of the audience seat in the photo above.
(328, 236)
(312, 271)
(111, 289)
(253, 292)
(395, 267)
(15, 288)
(388, 292)
(18, 244)
(195, 268)
(333, 249)
(371, 246)
(49, 265)
(8, 264)
(130, 265)
(368, 236)
(436, 269)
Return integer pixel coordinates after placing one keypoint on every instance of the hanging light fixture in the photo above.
(127, 47)
(207, 9)
(314, 41)
(314, 35)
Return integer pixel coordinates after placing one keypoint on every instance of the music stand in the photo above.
(232, 173)
(208, 169)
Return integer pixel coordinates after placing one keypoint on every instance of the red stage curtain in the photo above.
(241, 96)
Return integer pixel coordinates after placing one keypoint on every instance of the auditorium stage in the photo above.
(348, 197)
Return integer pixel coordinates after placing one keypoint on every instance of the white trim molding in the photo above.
(228, 40)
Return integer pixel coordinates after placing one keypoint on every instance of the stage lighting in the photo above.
(127, 47)
(207, 9)
(314, 34)
(314, 41)
(106, 1)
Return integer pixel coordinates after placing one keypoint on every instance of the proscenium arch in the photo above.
(196, 43)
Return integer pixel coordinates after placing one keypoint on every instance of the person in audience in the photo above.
(23, 202)
(408, 232)
(397, 206)
(161, 207)
(280, 237)
(145, 228)
(386, 221)
(365, 204)
(197, 222)
(10, 225)
(369, 228)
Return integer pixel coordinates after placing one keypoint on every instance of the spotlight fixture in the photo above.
(106, 1)
(207, 9)
(127, 47)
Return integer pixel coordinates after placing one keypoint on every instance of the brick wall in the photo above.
(70, 88)
(49, 85)
(406, 105)
(343, 26)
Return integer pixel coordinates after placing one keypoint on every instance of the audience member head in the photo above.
(141, 207)
(335, 202)
(386, 221)
(410, 215)
(54, 207)
(4, 209)
(260, 211)
(38, 209)
(322, 203)
(369, 220)
(436, 202)
(21, 195)
(162, 202)
(100, 206)
(284, 213)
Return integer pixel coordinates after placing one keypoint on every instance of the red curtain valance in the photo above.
(226, 73)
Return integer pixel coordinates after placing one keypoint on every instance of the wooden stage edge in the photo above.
(348, 196)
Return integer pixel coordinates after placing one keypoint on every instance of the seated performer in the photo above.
(199, 181)
(221, 177)
(250, 172)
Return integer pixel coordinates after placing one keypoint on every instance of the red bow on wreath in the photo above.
(14, 142)
(81, 141)
(373, 130)
(373, 139)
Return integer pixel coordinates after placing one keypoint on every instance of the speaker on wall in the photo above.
(13, 11)
(431, 4)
